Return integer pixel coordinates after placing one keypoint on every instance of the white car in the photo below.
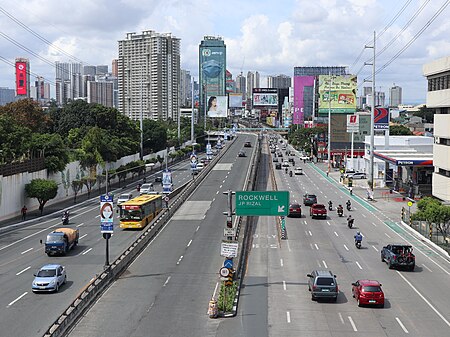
(357, 175)
(200, 166)
(285, 164)
(146, 188)
(298, 170)
(304, 157)
(124, 197)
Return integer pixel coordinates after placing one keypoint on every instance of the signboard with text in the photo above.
(255, 203)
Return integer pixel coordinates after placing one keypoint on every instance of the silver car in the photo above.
(49, 278)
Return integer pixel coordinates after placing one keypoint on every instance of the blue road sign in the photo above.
(228, 263)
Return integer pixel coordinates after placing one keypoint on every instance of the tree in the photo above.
(433, 212)
(426, 114)
(399, 130)
(89, 182)
(154, 135)
(14, 139)
(27, 113)
(41, 189)
(77, 186)
(53, 148)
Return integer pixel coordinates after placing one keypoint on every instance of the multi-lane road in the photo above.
(23, 313)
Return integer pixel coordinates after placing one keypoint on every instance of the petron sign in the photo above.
(256, 203)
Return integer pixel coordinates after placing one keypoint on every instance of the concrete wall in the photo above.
(12, 188)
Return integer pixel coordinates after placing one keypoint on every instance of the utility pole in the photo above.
(329, 122)
(372, 117)
(192, 114)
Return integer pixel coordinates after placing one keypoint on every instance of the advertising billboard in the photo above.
(265, 97)
(217, 106)
(212, 66)
(235, 100)
(300, 82)
(338, 94)
(381, 119)
(21, 78)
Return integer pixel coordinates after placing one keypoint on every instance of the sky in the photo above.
(268, 36)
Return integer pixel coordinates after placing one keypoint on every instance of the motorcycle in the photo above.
(349, 207)
(358, 244)
(290, 173)
(350, 223)
(340, 211)
(330, 206)
(65, 219)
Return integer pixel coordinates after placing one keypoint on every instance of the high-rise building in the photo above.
(69, 82)
(212, 68)
(380, 99)
(89, 70)
(241, 86)
(279, 81)
(185, 88)
(438, 97)
(115, 67)
(22, 78)
(395, 95)
(42, 89)
(253, 81)
(7, 95)
(230, 84)
(101, 69)
(100, 92)
(149, 75)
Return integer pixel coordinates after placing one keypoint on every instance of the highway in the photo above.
(23, 313)
(165, 292)
(417, 303)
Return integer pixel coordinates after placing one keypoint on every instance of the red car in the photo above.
(368, 292)
(295, 210)
(318, 211)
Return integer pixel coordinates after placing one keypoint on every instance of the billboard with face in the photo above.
(21, 78)
(217, 106)
(212, 66)
(300, 82)
(265, 97)
(337, 93)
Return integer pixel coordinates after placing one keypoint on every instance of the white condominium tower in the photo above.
(149, 75)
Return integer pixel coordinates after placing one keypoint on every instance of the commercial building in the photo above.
(212, 69)
(253, 81)
(279, 81)
(185, 88)
(395, 96)
(69, 82)
(149, 75)
(438, 97)
(7, 95)
(241, 85)
(42, 90)
(22, 78)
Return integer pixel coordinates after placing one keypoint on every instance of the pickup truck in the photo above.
(318, 210)
(398, 255)
(61, 240)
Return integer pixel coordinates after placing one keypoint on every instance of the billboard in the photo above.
(265, 97)
(381, 119)
(235, 100)
(352, 123)
(337, 93)
(21, 78)
(217, 106)
(300, 82)
(212, 66)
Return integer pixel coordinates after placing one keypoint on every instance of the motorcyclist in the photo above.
(66, 214)
(290, 173)
(350, 221)
(358, 237)
(340, 209)
(286, 170)
(65, 217)
(330, 205)
(349, 204)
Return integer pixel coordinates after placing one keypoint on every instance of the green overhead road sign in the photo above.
(254, 203)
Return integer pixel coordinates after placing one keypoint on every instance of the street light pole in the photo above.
(372, 121)
(192, 114)
(329, 122)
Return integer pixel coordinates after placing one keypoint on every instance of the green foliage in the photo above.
(399, 130)
(230, 293)
(14, 139)
(426, 114)
(154, 135)
(301, 138)
(52, 148)
(27, 113)
(77, 186)
(433, 212)
(89, 182)
(41, 189)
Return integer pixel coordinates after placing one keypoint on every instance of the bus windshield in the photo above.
(126, 214)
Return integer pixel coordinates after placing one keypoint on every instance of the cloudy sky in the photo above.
(270, 36)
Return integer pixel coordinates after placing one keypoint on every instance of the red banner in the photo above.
(21, 78)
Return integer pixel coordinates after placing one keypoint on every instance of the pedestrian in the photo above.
(24, 212)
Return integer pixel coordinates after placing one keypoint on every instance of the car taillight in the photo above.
(314, 287)
(395, 257)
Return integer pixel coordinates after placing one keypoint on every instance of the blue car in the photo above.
(49, 278)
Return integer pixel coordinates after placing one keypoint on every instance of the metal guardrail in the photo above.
(101, 282)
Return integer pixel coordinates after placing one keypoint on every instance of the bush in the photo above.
(230, 292)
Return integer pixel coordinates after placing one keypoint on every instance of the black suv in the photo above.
(247, 144)
(309, 199)
(323, 284)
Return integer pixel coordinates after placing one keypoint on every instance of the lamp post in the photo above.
(329, 123)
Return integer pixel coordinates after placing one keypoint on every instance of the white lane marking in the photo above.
(18, 298)
(98, 216)
(437, 264)
(341, 318)
(310, 234)
(363, 215)
(189, 243)
(328, 223)
(358, 264)
(345, 247)
(86, 251)
(373, 223)
(305, 222)
(167, 281)
(179, 260)
(198, 227)
(288, 316)
(29, 236)
(81, 224)
(336, 234)
(82, 236)
(289, 246)
(281, 262)
(375, 248)
(387, 235)
(220, 186)
(317, 247)
(22, 271)
(223, 181)
(26, 251)
(423, 264)
(217, 192)
(284, 285)
(426, 301)
(401, 324)
(352, 323)
(324, 264)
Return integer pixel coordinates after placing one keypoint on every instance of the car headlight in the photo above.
(52, 282)
(34, 283)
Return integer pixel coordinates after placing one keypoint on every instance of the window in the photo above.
(325, 281)
(371, 289)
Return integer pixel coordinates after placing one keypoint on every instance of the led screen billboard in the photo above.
(300, 82)
(21, 78)
(217, 106)
(212, 66)
(235, 100)
(337, 93)
(265, 97)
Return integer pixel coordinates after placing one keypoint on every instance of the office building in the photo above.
(115, 67)
(42, 90)
(279, 81)
(241, 86)
(149, 75)
(253, 81)
(101, 92)
(438, 97)
(69, 82)
(380, 99)
(212, 68)
(395, 96)
(7, 95)
(22, 66)
(185, 88)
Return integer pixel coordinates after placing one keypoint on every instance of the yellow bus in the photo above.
(139, 211)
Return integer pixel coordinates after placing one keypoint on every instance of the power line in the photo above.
(31, 73)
